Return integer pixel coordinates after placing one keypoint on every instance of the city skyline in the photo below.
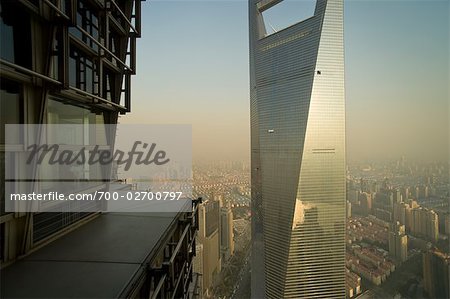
(406, 116)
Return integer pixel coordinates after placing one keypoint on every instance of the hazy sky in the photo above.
(193, 68)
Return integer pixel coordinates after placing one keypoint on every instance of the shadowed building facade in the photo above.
(298, 154)
(70, 62)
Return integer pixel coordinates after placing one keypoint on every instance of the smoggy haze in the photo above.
(193, 68)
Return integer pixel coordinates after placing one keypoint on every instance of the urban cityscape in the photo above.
(397, 229)
(290, 187)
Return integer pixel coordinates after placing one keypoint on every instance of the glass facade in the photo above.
(298, 154)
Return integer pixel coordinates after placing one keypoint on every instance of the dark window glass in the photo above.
(10, 113)
(10, 108)
(2, 196)
(2, 242)
(87, 19)
(15, 32)
(83, 72)
(57, 43)
(6, 188)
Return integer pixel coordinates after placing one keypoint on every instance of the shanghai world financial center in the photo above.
(298, 154)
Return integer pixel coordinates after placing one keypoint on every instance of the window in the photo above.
(11, 104)
(15, 45)
(83, 72)
(87, 19)
(79, 127)
(11, 112)
(2, 242)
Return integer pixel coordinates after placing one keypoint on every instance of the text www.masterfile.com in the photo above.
(97, 195)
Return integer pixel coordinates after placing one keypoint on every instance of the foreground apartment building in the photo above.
(298, 153)
(71, 62)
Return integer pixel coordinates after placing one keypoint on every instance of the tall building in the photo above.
(62, 62)
(226, 233)
(398, 241)
(209, 237)
(71, 62)
(436, 268)
(298, 154)
(365, 200)
(399, 213)
(425, 223)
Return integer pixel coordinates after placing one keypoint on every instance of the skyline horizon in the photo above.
(204, 82)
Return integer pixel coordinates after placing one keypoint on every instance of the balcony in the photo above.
(115, 255)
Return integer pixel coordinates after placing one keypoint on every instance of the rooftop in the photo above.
(101, 259)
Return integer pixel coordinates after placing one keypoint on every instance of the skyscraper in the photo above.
(436, 268)
(70, 63)
(209, 237)
(61, 62)
(298, 154)
(226, 233)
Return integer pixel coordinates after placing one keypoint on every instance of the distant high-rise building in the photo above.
(365, 200)
(397, 196)
(425, 223)
(432, 226)
(226, 233)
(436, 267)
(422, 192)
(405, 193)
(398, 241)
(298, 154)
(399, 213)
(209, 237)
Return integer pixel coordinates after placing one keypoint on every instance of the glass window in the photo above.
(83, 72)
(87, 18)
(61, 113)
(15, 32)
(10, 109)
(79, 127)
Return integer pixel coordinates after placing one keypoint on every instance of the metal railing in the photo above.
(168, 266)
